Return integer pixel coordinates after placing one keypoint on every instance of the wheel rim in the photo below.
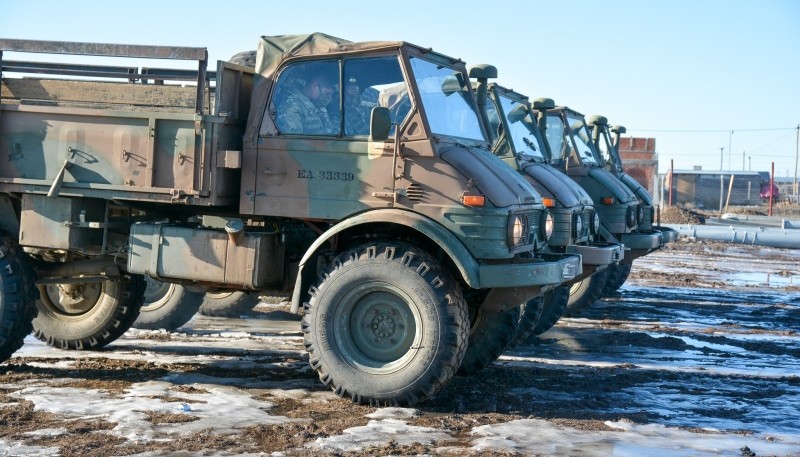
(220, 295)
(573, 289)
(377, 327)
(71, 299)
(156, 294)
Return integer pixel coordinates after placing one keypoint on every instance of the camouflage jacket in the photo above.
(298, 114)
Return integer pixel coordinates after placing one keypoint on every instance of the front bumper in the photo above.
(668, 235)
(598, 253)
(641, 241)
(549, 269)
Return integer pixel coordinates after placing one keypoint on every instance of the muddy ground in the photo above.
(698, 355)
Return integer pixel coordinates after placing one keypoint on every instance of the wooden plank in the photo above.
(99, 92)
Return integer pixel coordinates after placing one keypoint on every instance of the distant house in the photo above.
(639, 159)
(706, 189)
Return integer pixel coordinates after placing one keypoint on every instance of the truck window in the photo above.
(583, 140)
(559, 144)
(447, 100)
(371, 82)
(307, 99)
(522, 130)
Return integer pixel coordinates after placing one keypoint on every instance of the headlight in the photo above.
(595, 224)
(630, 217)
(639, 214)
(548, 226)
(517, 230)
(578, 224)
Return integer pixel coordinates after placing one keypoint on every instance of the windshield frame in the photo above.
(613, 160)
(522, 152)
(590, 158)
(477, 129)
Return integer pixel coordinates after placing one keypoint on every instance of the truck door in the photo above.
(320, 163)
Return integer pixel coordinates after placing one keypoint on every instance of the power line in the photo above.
(710, 130)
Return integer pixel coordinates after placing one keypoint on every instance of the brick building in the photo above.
(640, 160)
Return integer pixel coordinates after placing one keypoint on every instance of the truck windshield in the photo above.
(447, 100)
(583, 139)
(522, 130)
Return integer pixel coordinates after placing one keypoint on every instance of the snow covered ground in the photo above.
(698, 356)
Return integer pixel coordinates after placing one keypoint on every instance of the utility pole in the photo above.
(730, 151)
(743, 168)
(720, 158)
(749, 163)
(796, 155)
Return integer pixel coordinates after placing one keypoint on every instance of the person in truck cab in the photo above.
(304, 107)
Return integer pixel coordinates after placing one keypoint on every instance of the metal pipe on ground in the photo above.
(757, 236)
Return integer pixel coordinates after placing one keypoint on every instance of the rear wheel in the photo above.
(17, 297)
(490, 334)
(385, 325)
(228, 303)
(88, 315)
(583, 294)
(166, 305)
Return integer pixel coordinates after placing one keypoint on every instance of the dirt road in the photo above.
(699, 355)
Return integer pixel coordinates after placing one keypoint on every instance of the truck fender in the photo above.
(463, 260)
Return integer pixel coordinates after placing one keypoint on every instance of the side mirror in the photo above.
(618, 129)
(598, 120)
(380, 123)
(482, 71)
(517, 113)
(543, 104)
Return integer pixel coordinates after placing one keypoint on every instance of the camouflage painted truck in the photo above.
(572, 151)
(608, 156)
(388, 237)
(513, 128)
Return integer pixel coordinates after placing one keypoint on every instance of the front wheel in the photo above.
(617, 275)
(490, 334)
(166, 306)
(17, 297)
(542, 313)
(583, 294)
(88, 315)
(385, 325)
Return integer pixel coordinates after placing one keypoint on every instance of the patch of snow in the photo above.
(534, 436)
(377, 433)
(129, 411)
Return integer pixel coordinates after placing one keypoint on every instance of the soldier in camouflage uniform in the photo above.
(356, 115)
(304, 110)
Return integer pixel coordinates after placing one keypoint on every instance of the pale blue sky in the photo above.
(685, 72)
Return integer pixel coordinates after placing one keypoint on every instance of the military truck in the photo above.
(386, 238)
(608, 156)
(572, 150)
(513, 128)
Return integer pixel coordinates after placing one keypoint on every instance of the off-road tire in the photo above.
(104, 320)
(228, 304)
(541, 314)
(385, 325)
(555, 304)
(167, 306)
(617, 275)
(490, 334)
(17, 297)
(529, 315)
(585, 293)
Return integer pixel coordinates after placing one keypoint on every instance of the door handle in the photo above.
(270, 171)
